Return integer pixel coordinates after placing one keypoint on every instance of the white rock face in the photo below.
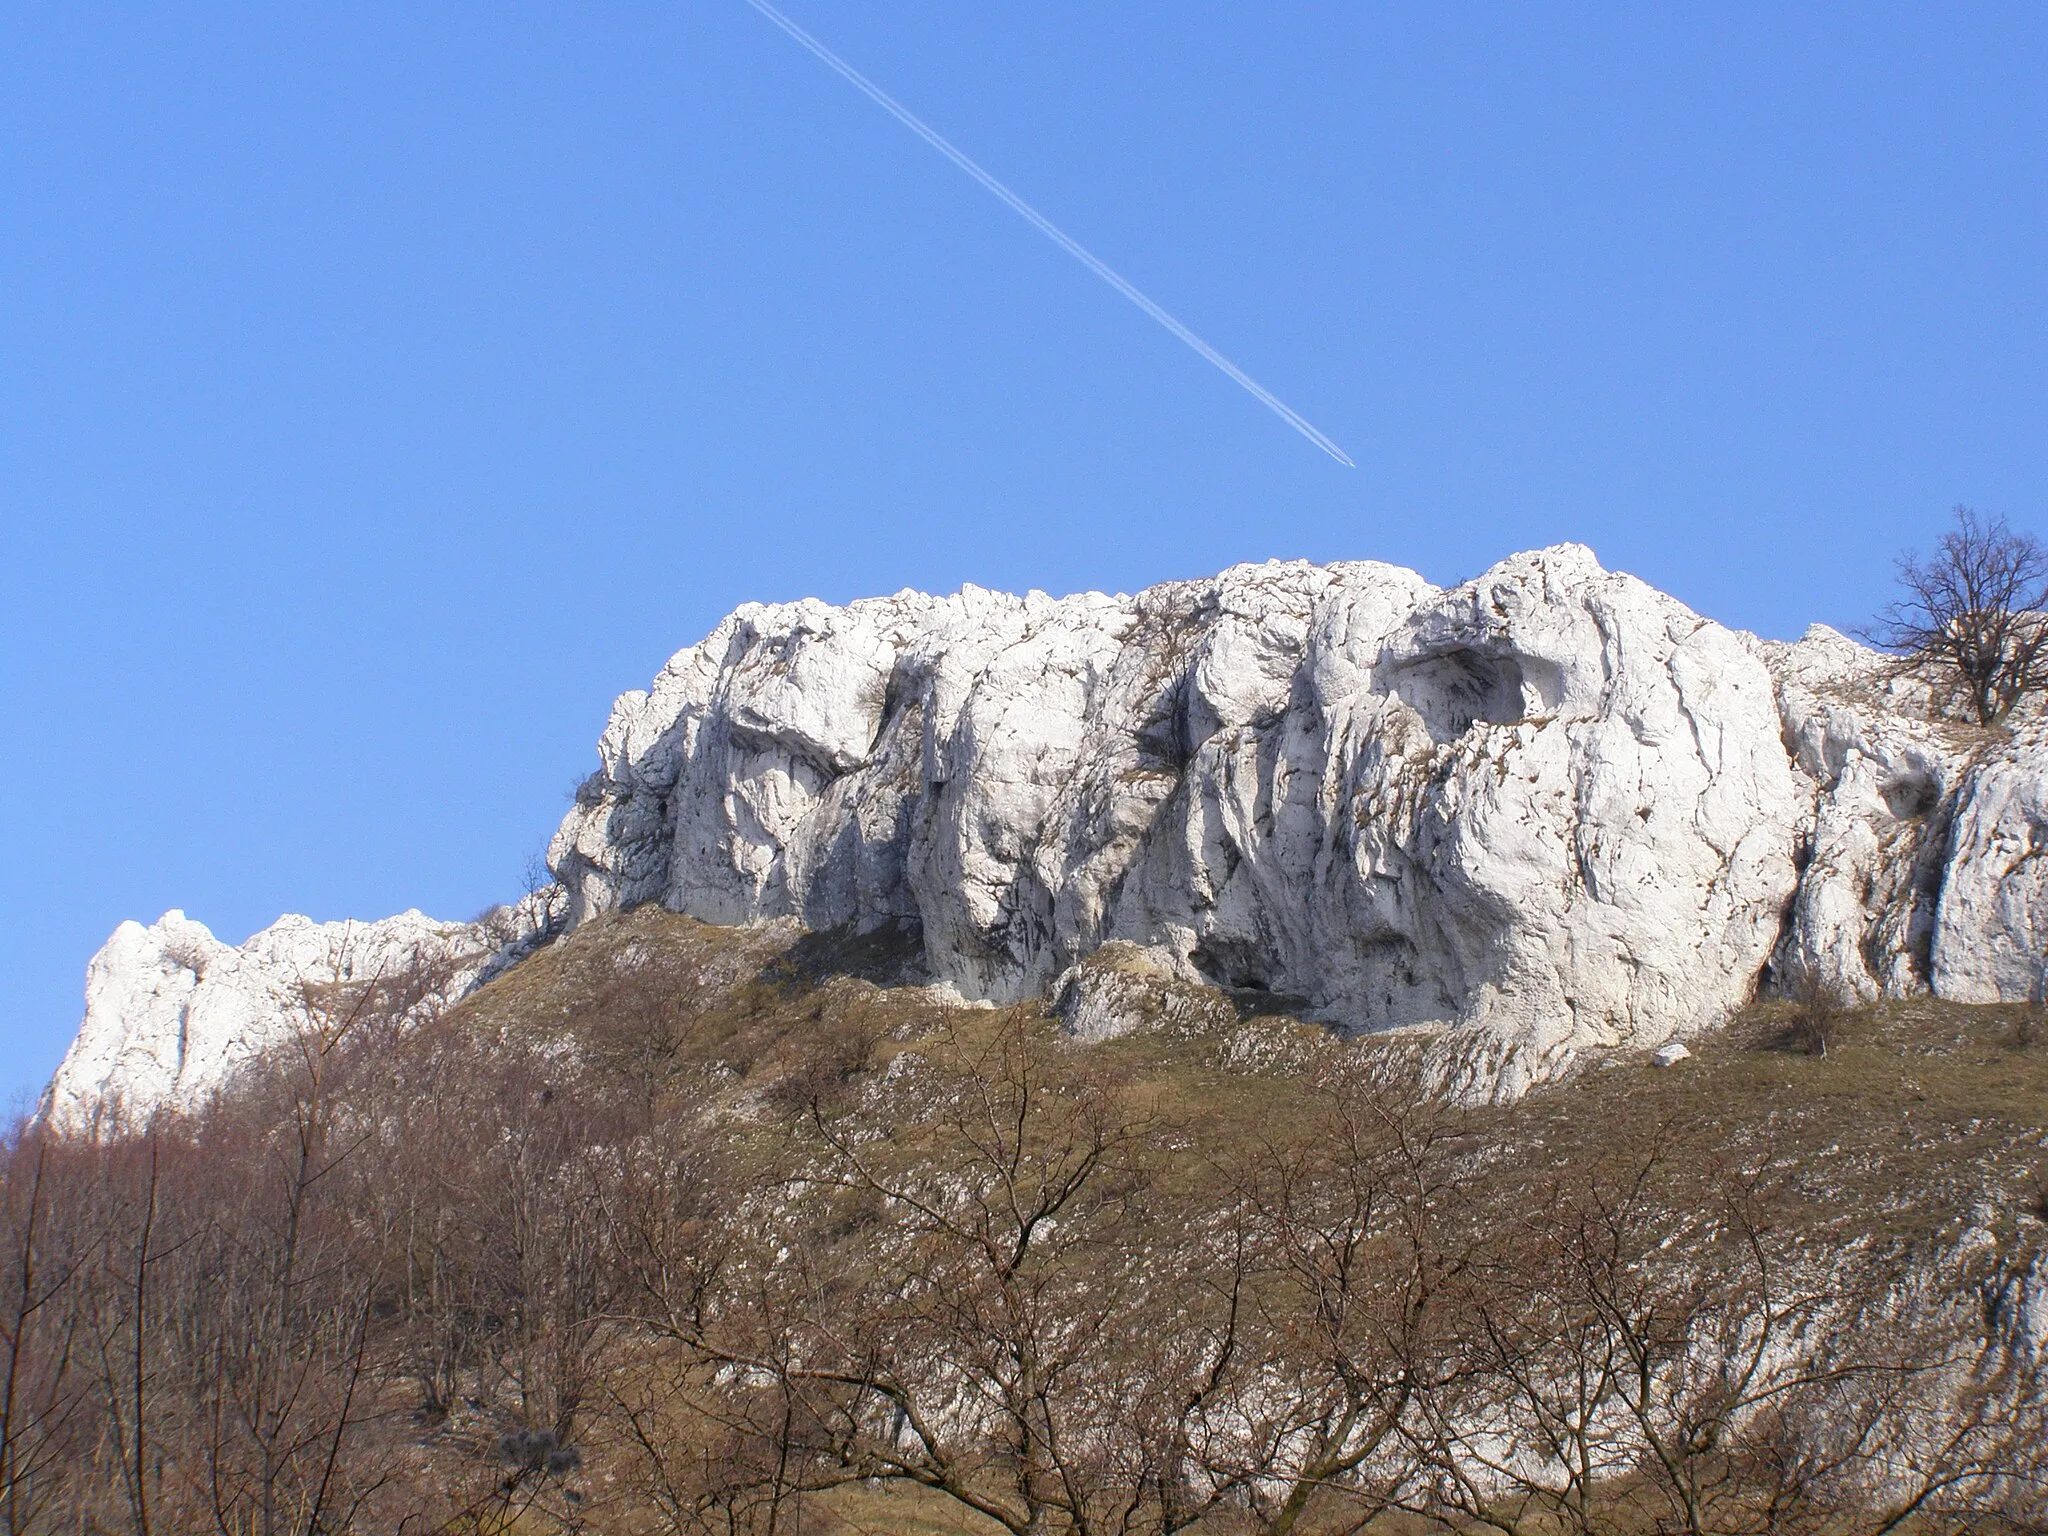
(1550, 807)
(1877, 771)
(1923, 858)
(172, 1013)
(1547, 811)
(1990, 940)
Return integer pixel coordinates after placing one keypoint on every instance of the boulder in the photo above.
(1123, 989)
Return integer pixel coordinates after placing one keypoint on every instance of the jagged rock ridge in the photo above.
(1545, 812)
(171, 1012)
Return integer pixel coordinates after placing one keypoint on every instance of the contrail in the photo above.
(1053, 232)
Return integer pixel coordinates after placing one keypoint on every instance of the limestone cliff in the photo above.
(1546, 812)
(171, 1012)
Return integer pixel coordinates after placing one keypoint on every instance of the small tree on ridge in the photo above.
(1974, 610)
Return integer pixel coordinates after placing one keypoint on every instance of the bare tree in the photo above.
(40, 1382)
(1658, 1354)
(989, 1287)
(998, 1303)
(1012, 1273)
(120, 1322)
(1356, 1273)
(272, 1305)
(1973, 610)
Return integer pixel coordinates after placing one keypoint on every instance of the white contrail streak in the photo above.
(1053, 232)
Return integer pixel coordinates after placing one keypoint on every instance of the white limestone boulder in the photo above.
(1124, 989)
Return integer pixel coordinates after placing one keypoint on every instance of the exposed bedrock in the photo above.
(1922, 867)
(172, 1013)
(1546, 812)
(1551, 807)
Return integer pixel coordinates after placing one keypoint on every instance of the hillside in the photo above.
(1299, 1051)
(1912, 1154)
(1920, 1114)
(674, 1227)
(1897, 1181)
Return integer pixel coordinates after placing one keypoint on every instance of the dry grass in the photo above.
(1919, 1122)
(1920, 1114)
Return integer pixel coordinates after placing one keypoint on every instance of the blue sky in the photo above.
(385, 387)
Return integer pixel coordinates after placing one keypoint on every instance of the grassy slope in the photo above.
(1923, 1120)
(1920, 1113)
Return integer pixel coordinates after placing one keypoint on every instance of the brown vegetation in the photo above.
(1819, 1007)
(672, 1229)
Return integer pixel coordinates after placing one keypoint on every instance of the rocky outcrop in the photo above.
(1547, 812)
(1921, 859)
(1550, 808)
(1121, 990)
(172, 1013)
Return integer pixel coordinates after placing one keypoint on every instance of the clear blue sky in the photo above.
(384, 387)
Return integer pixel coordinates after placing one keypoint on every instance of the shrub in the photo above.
(1818, 1008)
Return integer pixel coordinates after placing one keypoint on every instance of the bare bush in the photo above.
(1819, 1009)
(2030, 1026)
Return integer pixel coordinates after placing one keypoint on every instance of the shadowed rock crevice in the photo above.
(1454, 690)
(889, 955)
